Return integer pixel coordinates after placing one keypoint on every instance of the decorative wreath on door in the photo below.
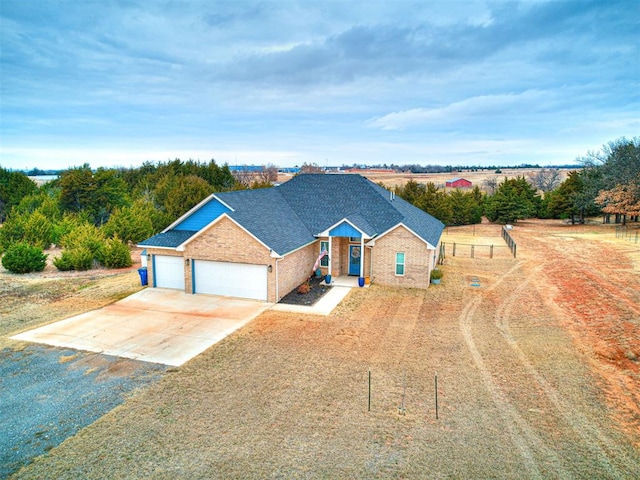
(355, 252)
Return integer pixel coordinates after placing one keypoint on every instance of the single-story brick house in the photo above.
(263, 243)
(458, 183)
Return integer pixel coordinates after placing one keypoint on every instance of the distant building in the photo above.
(458, 183)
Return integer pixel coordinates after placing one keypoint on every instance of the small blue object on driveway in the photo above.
(143, 276)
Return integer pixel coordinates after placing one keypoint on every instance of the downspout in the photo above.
(277, 283)
(370, 264)
(330, 256)
(362, 255)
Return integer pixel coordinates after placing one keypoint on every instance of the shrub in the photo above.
(65, 226)
(12, 232)
(79, 258)
(82, 258)
(64, 262)
(84, 235)
(23, 258)
(38, 230)
(132, 224)
(436, 274)
(304, 288)
(116, 254)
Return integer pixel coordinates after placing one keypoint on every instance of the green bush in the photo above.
(23, 258)
(82, 258)
(64, 226)
(12, 232)
(64, 262)
(436, 274)
(132, 224)
(116, 254)
(86, 236)
(38, 230)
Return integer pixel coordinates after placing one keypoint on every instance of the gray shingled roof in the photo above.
(266, 214)
(169, 239)
(290, 216)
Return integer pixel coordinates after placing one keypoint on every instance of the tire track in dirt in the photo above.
(592, 437)
(521, 434)
(404, 316)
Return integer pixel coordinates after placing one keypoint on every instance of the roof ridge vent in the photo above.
(392, 195)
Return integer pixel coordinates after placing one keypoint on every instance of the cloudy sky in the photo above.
(115, 83)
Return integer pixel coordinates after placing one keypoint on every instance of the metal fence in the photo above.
(509, 240)
(626, 233)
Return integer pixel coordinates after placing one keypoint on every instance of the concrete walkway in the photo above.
(154, 325)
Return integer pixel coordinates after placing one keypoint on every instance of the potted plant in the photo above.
(436, 275)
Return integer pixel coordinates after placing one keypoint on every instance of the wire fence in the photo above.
(625, 232)
(472, 250)
(509, 240)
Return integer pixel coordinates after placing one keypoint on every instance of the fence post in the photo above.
(491, 251)
(454, 249)
(472, 250)
(369, 403)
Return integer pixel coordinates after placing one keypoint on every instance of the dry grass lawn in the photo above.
(535, 369)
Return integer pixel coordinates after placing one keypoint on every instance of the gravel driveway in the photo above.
(48, 394)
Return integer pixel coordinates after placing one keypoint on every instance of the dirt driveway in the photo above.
(152, 325)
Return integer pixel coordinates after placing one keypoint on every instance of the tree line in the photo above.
(95, 214)
(608, 182)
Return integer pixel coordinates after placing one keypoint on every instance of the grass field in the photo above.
(537, 372)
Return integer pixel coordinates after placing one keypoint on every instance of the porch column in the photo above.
(361, 256)
(330, 253)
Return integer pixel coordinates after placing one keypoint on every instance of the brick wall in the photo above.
(418, 259)
(296, 267)
(227, 242)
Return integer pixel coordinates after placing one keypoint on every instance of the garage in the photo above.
(168, 272)
(230, 279)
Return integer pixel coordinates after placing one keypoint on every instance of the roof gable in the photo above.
(203, 216)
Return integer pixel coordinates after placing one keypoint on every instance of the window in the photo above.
(400, 263)
(324, 261)
(354, 239)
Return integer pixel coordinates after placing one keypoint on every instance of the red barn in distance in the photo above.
(458, 183)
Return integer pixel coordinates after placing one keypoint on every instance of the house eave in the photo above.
(429, 246)
(325, 233)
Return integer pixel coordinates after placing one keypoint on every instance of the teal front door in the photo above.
(354, 259)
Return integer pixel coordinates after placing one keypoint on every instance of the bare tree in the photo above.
(311, 168)
(243, 176)
(490, 184)
(546, 179)
(268, 174)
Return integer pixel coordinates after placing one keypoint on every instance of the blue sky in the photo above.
(115, 83)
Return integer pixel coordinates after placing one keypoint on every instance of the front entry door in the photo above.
(354, 259)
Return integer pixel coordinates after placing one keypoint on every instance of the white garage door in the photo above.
(168, 272)
(230, 279)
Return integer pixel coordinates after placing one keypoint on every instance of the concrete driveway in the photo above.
(153, 325)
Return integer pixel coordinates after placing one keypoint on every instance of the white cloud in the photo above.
(479, 107)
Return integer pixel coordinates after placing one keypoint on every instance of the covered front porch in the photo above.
(348, 258)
